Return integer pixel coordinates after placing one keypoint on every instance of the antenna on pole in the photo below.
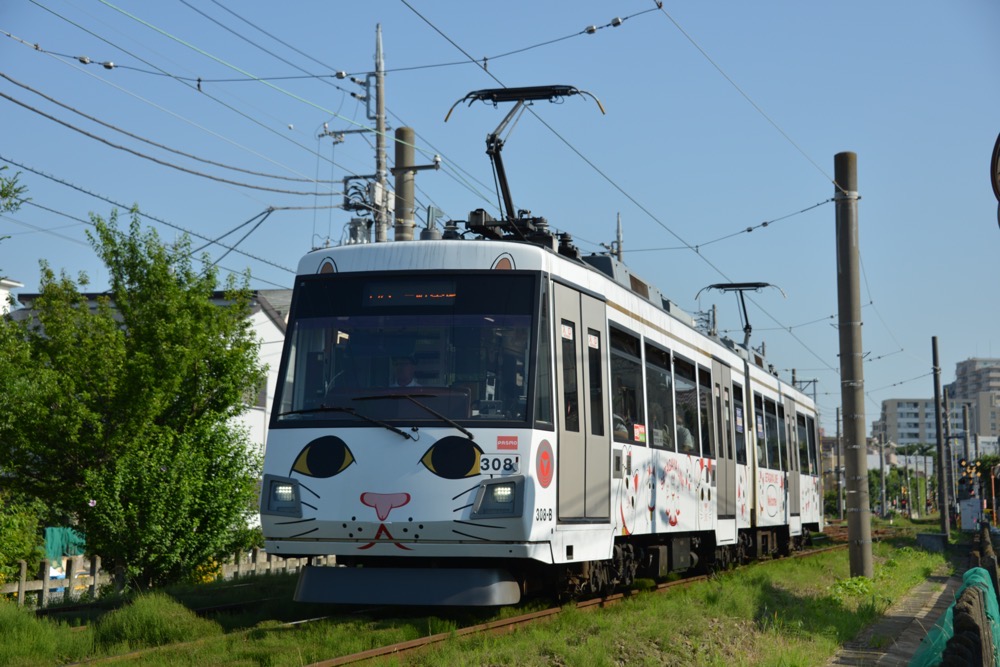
(741, 288)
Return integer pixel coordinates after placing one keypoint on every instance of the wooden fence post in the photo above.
(119, 579)
(43, 574)
(95, 569)
(71, 566)
(21, 581)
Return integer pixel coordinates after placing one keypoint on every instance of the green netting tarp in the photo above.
(61, 542)
(932, 647)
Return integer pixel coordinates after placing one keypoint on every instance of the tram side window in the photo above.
(595, 362)
(707, 420)
(776, 439)
(726, 439)
(686, 391)
(771, 429)
(543, 375)
(740, 425)
(626, 386)
(786, 453)
(758, 411)
(805, 463)
(571, 395)
(659, 386)
(811, 434)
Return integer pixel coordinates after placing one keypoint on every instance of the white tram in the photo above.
(564, 425)
(461, 421)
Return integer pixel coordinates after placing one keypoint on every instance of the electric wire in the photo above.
(746, 230)
(733, 83)
(616, 186)
(81, 221)
(108, 200)
(179, 79)
(748, 98)
(151, 158)
(154, 143)
(446, 164)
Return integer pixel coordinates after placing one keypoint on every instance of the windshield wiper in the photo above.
(350, 411)
(412, 398)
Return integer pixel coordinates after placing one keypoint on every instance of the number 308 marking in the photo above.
(543, 514)
(498, 465)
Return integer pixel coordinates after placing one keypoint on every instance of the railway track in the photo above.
(515, 622)
(834, 536)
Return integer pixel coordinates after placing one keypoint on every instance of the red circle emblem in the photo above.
(545, 464)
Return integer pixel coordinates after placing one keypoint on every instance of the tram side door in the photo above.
(583, 459)
(794, 483)
(722, 390)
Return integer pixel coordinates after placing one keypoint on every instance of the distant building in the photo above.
(908, 421)
(975, 395)
(6, 287)
(977, 382)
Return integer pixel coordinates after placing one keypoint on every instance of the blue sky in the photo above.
(720, 117)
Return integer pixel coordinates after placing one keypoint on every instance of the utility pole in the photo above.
(881, 461)
(381, 175)
(942, 479)
(949, 450)
(852, 382)
(405, 171)
(965, 428)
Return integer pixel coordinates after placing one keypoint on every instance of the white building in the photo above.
(6, 287)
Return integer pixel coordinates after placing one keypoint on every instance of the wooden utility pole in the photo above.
(941, 471)
(859, 531)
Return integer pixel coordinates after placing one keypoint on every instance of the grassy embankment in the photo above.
(787, 612)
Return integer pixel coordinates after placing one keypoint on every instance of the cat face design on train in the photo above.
(387, 491)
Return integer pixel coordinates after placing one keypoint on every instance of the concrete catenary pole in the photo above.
(405, 137)
(852, 396)
(381, 214)
(941, 450)
(883, 510)
(965, 430)
(949, 451)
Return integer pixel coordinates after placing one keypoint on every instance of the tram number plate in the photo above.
(499, 464)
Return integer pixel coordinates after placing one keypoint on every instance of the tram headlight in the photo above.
(503, 494)
(283, 493)
(281, 496)
(502, 497)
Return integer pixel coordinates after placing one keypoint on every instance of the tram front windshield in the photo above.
(405, 348)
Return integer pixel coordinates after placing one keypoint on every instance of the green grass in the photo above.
(783, 612)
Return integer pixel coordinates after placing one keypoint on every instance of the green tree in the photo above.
(20, 536)
(11, 192)
(125, 418)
